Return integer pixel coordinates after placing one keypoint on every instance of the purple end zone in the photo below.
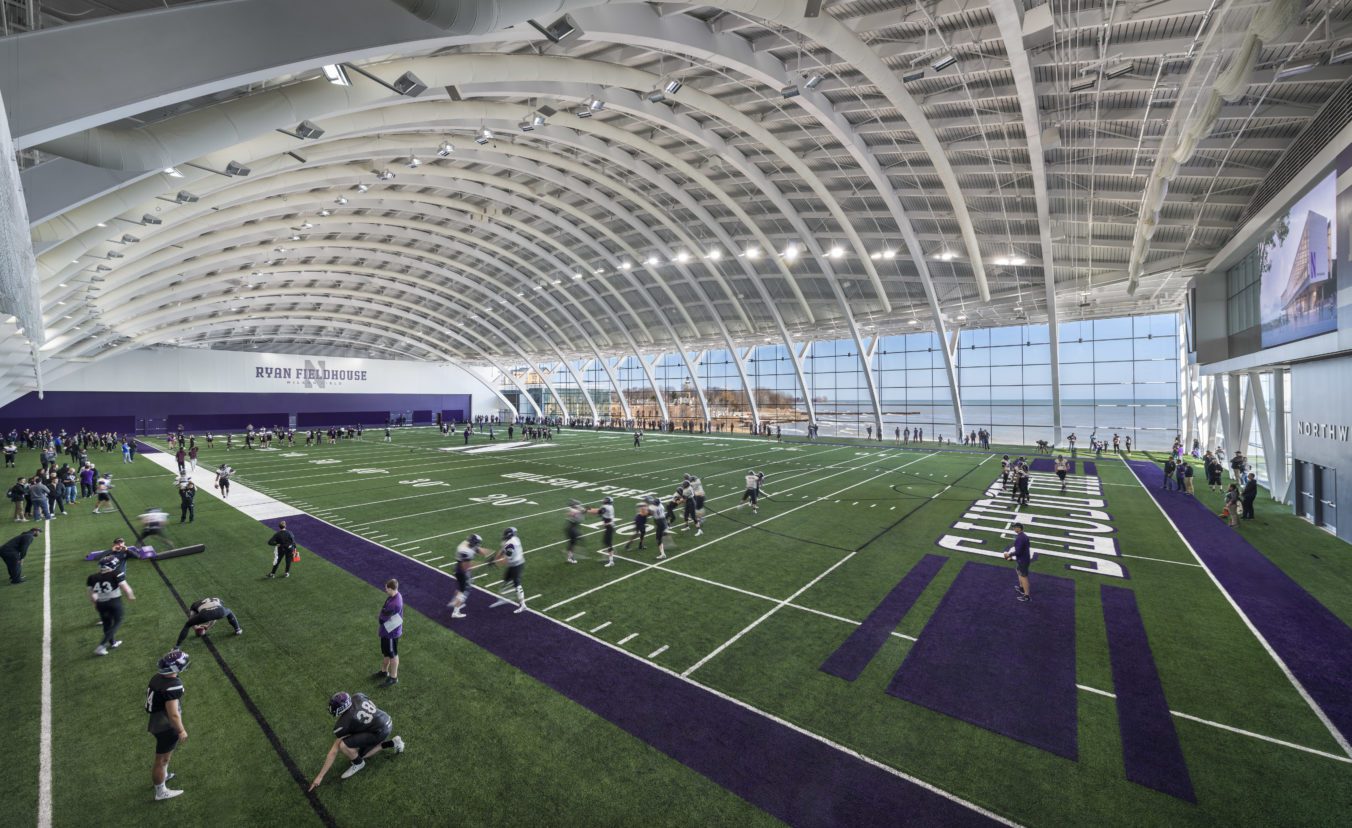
(850, 658)
(1090, 467)
(792, 776)
(999, 663)
(146, 448)
(1042, 464)
(1150, 749)
(1314, 643)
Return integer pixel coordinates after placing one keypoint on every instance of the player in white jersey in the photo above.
(514, 556)
(574, 529)
(464, 577)
(697, 494)
(753, 489)
(606, 511)
(641, 514)
(659, 519)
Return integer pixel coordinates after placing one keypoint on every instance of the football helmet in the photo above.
(108, 563)
(509, 533)
(339, 704)
(174, 661)
(608, 501)
(474, 540)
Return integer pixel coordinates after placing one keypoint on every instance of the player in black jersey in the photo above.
(164, 703)
(575, 514)
(363, 730)
(106, 588)
(641, 515)
(203, 614)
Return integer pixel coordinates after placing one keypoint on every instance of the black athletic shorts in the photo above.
(659, 530)
(609, 535)
(1021, 564)
(751, 495)
(462, 579)
(513, 574)
(574, 534)
(1061, 474)
(165, 741)
(103, 497)
(389, 647)
(699, 502)
(364, 742)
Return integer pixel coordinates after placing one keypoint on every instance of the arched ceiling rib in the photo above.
(917, 199)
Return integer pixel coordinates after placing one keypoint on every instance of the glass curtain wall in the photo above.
(1118, 376)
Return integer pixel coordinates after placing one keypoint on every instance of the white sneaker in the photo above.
(456, 613)
(398, 744)
(117, 644)
(519, 609)
(663, 555)
(166, 794)
(100, 650)
(353, 769)
(610, 563)
(699, 532)
(572, 560)
(499, 602)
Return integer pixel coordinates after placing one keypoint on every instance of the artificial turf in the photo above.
(489, 744)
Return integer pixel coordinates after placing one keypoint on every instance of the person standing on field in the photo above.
(1022, 554)
(391, 621)
(283, 545)
(106, 588)
(164, 703)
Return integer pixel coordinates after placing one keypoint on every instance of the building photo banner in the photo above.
(1299, 297)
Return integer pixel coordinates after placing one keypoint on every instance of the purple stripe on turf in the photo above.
(1042, 464)
(999, 663)
(1314, 643)
(1070, 467)
(1090, 467)
(146, 448)
(850, 658)
(1150, 749)
(794, 777)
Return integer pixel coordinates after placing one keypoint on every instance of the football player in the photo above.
(659, 517)
(515, 557)
(575, 513)
(1062, 467)
(607, 513)
(106, 588)
(464, 576)
(752, 492)
(152, 523)
(641, 514)
(203, 614)
(363, 730)
(697, 496)
(223, 473)
(164, 703)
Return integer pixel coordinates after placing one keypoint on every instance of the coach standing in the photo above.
(391, 630)
(283, 545)
(1022, 553)
(15, 550)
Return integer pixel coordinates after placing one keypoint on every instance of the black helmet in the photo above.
(474, 540)
(509, 533)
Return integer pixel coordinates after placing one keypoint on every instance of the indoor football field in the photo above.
(852, 650)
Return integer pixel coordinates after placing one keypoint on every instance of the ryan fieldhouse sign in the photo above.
(311, 374)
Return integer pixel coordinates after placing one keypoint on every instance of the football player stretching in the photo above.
(363, 730)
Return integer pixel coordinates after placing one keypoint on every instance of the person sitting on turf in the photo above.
(203, 614)
(363, 730)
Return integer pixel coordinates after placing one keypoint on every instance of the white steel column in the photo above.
(1277, 457)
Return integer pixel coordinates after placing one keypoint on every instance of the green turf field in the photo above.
(750, 608)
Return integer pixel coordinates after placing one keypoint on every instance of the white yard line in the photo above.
(576, 616)
(1300, 688)
(1160, 560)
(776, 608)
(748, 527)
(595, 630)
(45, 717)
(1335, 757)
(659, 651)
(627, 639)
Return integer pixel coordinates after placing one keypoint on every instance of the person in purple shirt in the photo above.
(1022, 553)
(87, 481)
(391, 630)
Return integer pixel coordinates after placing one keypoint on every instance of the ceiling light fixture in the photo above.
(656, 96)
(791, 252)
(234, 168)
(526, 126)
(1292, 71)
(363, 187)
(341, 199)
(563, 29)
(596, 104)
(172, 172)
(944, 62)
(836, 252)
(790, 91)
(151, 220)
(753, 253)
(1084, 84)
(1119, 69)
(409, 85)
(484, 136)
(414, 162)
(385, 175)
(889, 253)
(444, 149)
(714, 254)
(537, 120)
(337, 75)
(814, 80)
(946, 256)
(651, 260)
(672, 86)
(626, 265)
(185, 197)
(683, 257)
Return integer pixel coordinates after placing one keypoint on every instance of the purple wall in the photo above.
(131, 410)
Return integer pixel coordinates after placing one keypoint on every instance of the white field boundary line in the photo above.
(672, 531)
(556, 509)
(776, 608)
(45, 717)
(1304, 694)
(746, 528)
(542, 492)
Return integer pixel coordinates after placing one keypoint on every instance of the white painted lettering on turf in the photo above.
(581, 485)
